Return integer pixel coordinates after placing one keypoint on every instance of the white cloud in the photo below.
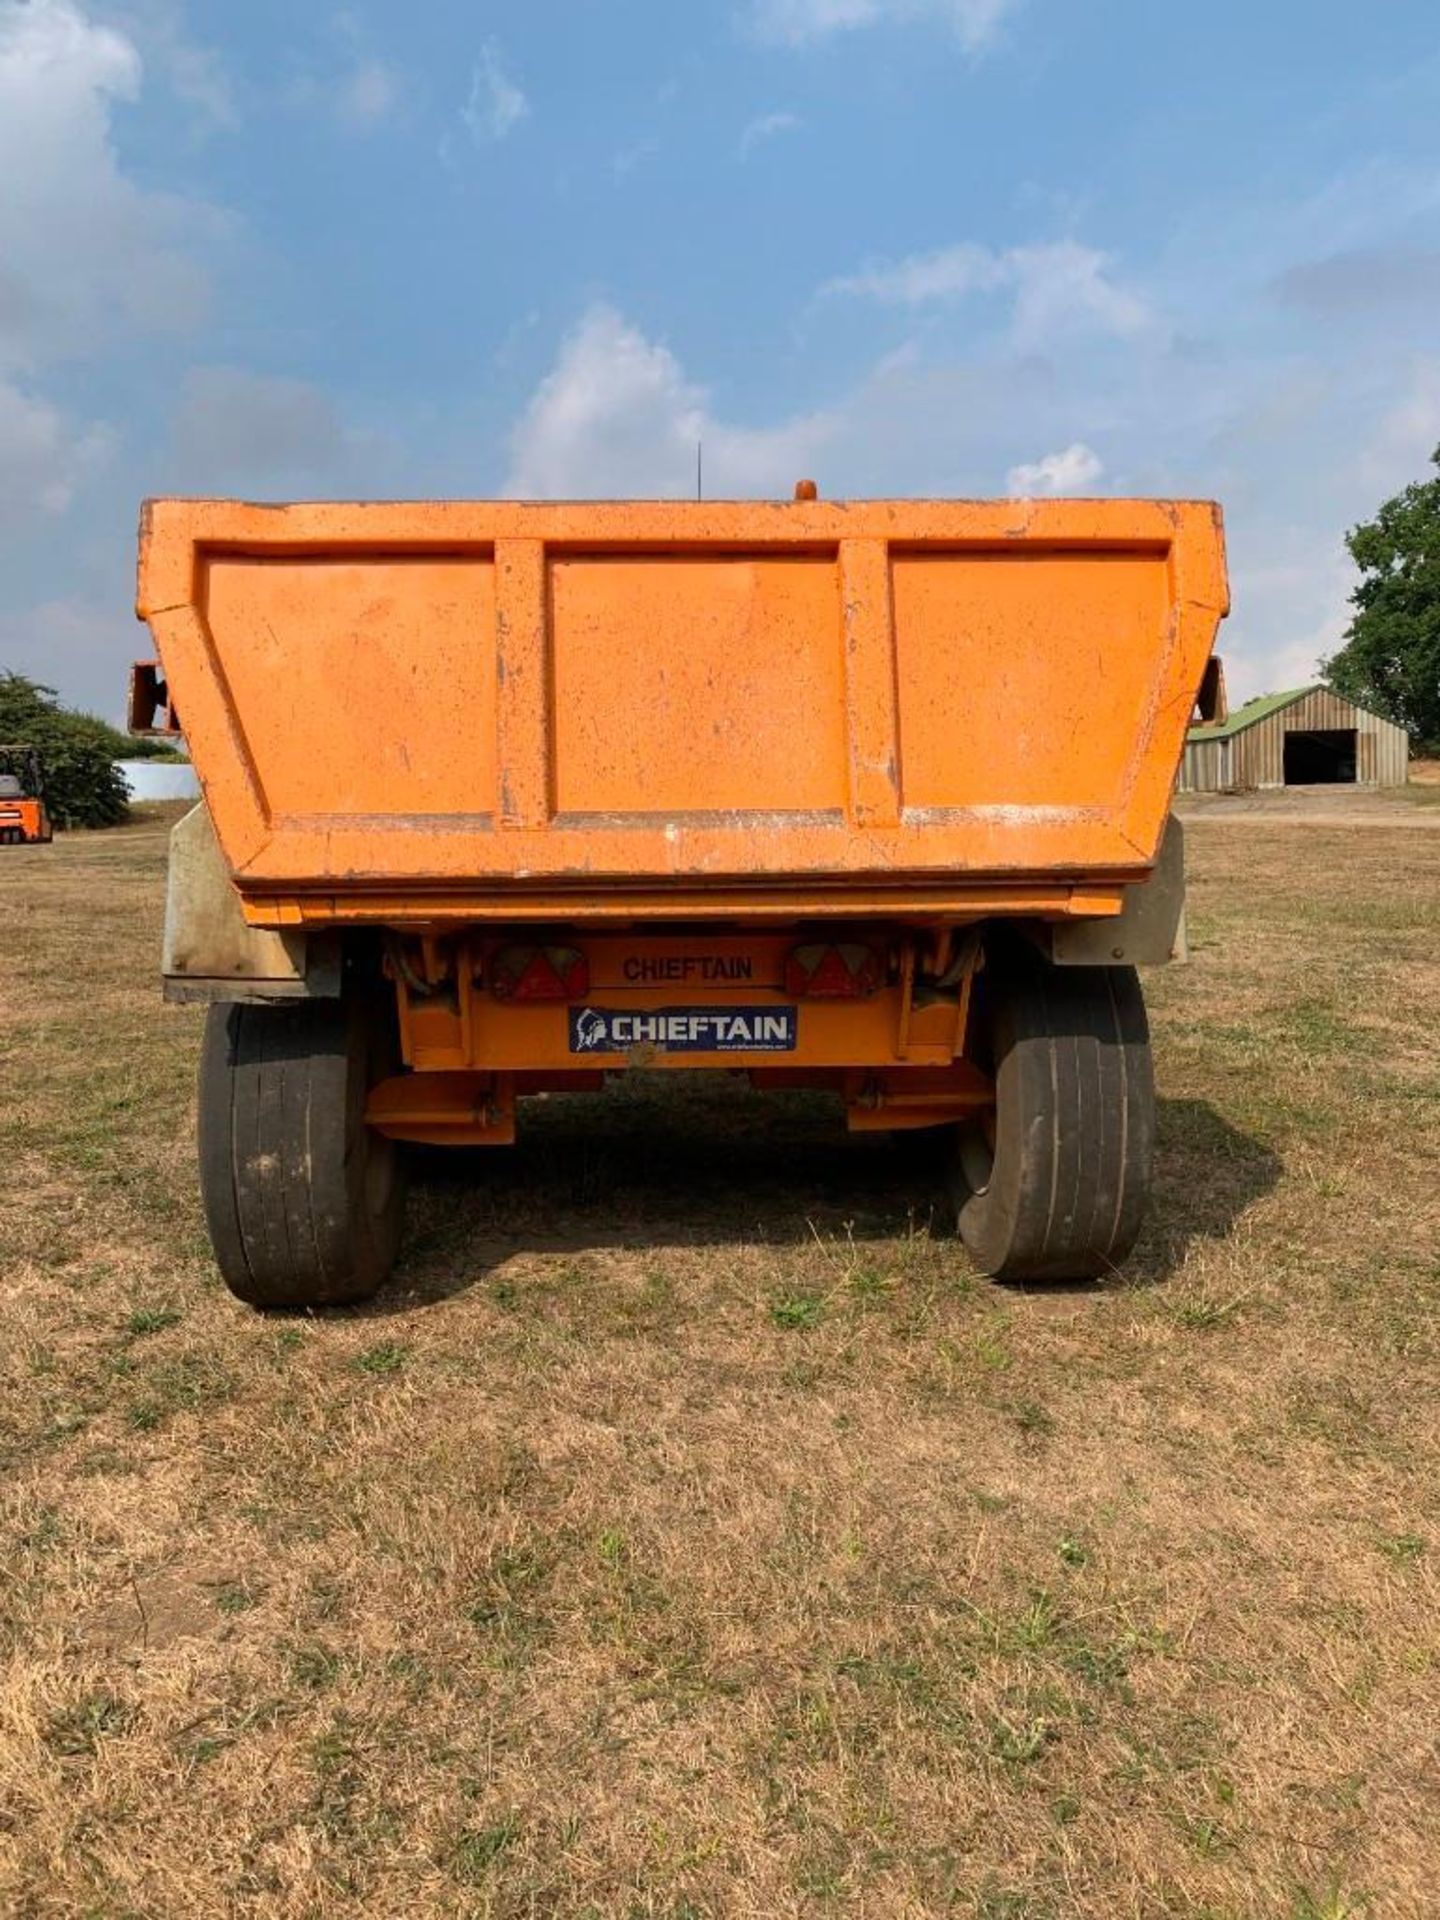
(1063, 285)
(85, 254)
(1071, 470)
(199, 78)
(195, 73)
(359, 90)
(617, 417)
(1057, 287)
(765, 127)
(367, 94)
(43, 459)
(496, 104)
(798, 22)
(948, 273)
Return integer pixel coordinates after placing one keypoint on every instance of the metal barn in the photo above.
(1309, 737)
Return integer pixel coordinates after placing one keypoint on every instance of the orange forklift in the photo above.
(23, 819)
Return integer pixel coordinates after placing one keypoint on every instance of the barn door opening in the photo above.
(1325, 757)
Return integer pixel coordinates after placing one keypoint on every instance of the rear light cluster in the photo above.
(540, 973)
(846, 972)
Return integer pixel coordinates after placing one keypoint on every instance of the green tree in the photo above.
(83, 787)
(1391, 657)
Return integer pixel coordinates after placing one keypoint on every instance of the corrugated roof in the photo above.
(1253, 710)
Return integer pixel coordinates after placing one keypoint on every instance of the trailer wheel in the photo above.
(1053, 1182)
(303, 1201)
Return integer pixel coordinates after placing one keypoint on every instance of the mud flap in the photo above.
(211, 954)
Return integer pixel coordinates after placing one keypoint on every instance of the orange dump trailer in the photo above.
(506, 798)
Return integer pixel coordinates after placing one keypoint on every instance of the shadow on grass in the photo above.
(683, 1161)
(1207, 1173)
(696, 1161)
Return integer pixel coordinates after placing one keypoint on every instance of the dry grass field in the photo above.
(688, 1532)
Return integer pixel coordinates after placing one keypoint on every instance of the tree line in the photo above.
(83, 786)
(1390, 661)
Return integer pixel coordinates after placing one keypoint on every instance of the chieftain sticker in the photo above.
(683, 1029)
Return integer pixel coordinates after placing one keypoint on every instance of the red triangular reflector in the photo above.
(832, 978)
(540, 981)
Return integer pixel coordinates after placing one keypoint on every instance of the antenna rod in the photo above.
(699, 469)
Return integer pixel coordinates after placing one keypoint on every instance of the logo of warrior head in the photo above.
(590, 1031)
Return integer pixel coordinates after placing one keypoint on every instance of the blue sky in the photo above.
(542, 246)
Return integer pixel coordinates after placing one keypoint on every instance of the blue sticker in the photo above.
(683, 1029)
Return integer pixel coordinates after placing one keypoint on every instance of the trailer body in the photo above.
(767, 787)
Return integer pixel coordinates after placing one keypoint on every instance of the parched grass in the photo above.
(688, 1532)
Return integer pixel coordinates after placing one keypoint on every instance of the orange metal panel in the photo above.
(694, 685)
(446, 1109)
(397, 708)
(452, 1018)
(510, 1037)
(1024, 679)
(321, 657)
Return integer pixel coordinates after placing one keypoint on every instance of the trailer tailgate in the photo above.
(384, 700)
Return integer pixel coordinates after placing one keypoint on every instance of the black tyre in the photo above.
(1054, 1183)
(303, 1201)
